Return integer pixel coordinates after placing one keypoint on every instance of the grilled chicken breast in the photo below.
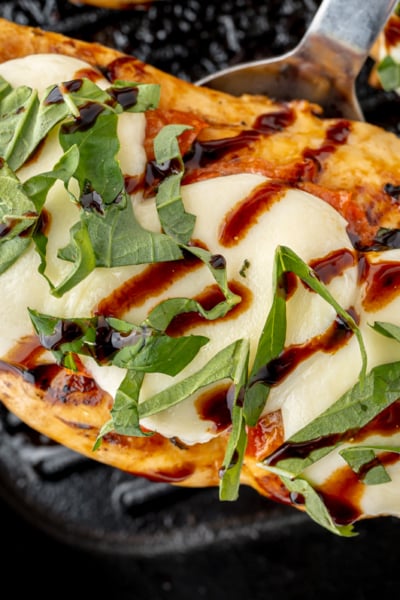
(198, 288)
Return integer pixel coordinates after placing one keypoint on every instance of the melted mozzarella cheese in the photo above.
(306, 224)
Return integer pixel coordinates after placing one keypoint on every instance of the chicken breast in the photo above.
(198, 288)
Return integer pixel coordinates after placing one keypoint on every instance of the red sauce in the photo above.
(266, 436)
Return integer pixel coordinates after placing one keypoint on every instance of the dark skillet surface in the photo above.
(89, 528)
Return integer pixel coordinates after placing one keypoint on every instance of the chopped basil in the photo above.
(389, 73)
(25, 121)
(17, 211)
(175, 221)
(116, 342)
(364, 462)
(315, 506)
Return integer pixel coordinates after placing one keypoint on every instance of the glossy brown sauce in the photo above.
(119, 69)
(342, 494)
(343, 491)
(382, 283)
(204, 152)
(212, 405)
(245, 214)
(333, 265)
(151, 282)
(275, 121)
(335, 136)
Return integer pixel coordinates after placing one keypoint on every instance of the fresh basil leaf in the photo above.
(175, 221)
(294, 264)
(137, 347)
(161, 316)
(270, 345)
(159, 353)
(351, 412)
(97, 170)
(216, 265)
(362, 460)
(115, 239)
(11, 250)
(38, 186)
(234, 454)
(315, 506)
(124, 413)
(17, 211)
(233, 460)
(25, 122)
(388, 71)
(80, 252)
(166, 145)
(82, 92)
(221, 366)
(272, 338)
(387, 329)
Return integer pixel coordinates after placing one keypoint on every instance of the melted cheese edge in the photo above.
(309, 226)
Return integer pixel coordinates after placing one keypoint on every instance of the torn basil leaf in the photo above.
(222, 366)
(25, 122)
(367, 466)
(234, 454)
(124, 412)
(364, 461)
(387, 329)
(115, 239)
(166, 145)
(17, 211)
(175, 221)
(116, 342)
(388, 71)
(315, 506)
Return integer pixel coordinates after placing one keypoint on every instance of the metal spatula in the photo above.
(323, 67)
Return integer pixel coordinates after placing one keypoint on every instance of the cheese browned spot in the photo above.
(287, 177)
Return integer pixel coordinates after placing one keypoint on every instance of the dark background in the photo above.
(71, 526)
